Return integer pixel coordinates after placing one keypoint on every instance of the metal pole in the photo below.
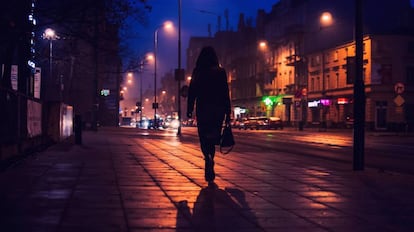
(179, 68)
(50, 58)
(323, 124)
(61, 87)
(140, 94)
(155, 77)
(359, 92)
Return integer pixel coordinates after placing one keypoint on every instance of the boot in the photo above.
(209, 174)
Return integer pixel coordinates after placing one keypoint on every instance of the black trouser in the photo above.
(207, 147)
(209, 136)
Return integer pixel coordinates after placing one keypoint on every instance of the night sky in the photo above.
(196, 15)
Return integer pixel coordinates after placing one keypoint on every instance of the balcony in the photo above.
(293, 60)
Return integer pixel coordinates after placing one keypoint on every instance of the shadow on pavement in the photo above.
(217, 210)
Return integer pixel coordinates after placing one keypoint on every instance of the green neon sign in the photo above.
(267, 101)
(272, 100)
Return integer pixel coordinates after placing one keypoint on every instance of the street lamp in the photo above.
(179, 74)
(358, 88)
(50, 35)
(140, 70)
(166, 25)
(359, 92)
(326, 20)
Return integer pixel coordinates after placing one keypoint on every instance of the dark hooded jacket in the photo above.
(209, 91)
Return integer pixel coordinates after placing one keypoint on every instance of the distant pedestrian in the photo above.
(209, 92)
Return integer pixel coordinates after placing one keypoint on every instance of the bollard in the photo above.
(300, 125)
(78, 129)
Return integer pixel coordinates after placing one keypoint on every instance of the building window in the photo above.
(326, 58)
(314, 61)
(336, 56)
(312, 84)
(364, 74)
(337, 80)
(318, 84)
(410, 75)
(327, 83)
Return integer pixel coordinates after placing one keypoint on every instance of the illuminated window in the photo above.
(336, 56)
(328, 84)
(312, 84)
(337, 80)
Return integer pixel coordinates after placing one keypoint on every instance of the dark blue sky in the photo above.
(196, 15)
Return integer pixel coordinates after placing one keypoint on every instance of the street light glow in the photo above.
(150, 57)
(168, 25)
(326, 19)
(50, 34)
(262, 44)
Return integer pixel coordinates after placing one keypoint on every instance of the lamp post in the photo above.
(359, 93)
(358, 88)
(141, 66)
(50, 35)
(140, 71)
(325, 20)
(180, 73)
(167, 24)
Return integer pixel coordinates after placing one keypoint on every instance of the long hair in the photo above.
(207, 58)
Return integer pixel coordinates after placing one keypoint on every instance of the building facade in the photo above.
(388, 79)
(294, 66)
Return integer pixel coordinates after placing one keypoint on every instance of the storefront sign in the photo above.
(326, 102)
(342, 101)
(314, 103)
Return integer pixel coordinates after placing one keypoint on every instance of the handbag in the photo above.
(227, 139)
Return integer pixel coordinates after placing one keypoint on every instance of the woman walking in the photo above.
(209, 92)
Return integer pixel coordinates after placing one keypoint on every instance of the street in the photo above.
(383, 151)
(124, 179)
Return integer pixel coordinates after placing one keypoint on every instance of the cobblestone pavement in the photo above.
(120, 180)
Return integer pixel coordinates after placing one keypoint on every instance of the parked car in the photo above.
(239, 123)
(255, 123)
(261, 123)
(275, 123)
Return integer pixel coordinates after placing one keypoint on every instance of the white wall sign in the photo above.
(37, 82)
(13, 76)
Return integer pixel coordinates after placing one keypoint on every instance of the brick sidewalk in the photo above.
(121, 181)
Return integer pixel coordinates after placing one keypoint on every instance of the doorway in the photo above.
(381, 115)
